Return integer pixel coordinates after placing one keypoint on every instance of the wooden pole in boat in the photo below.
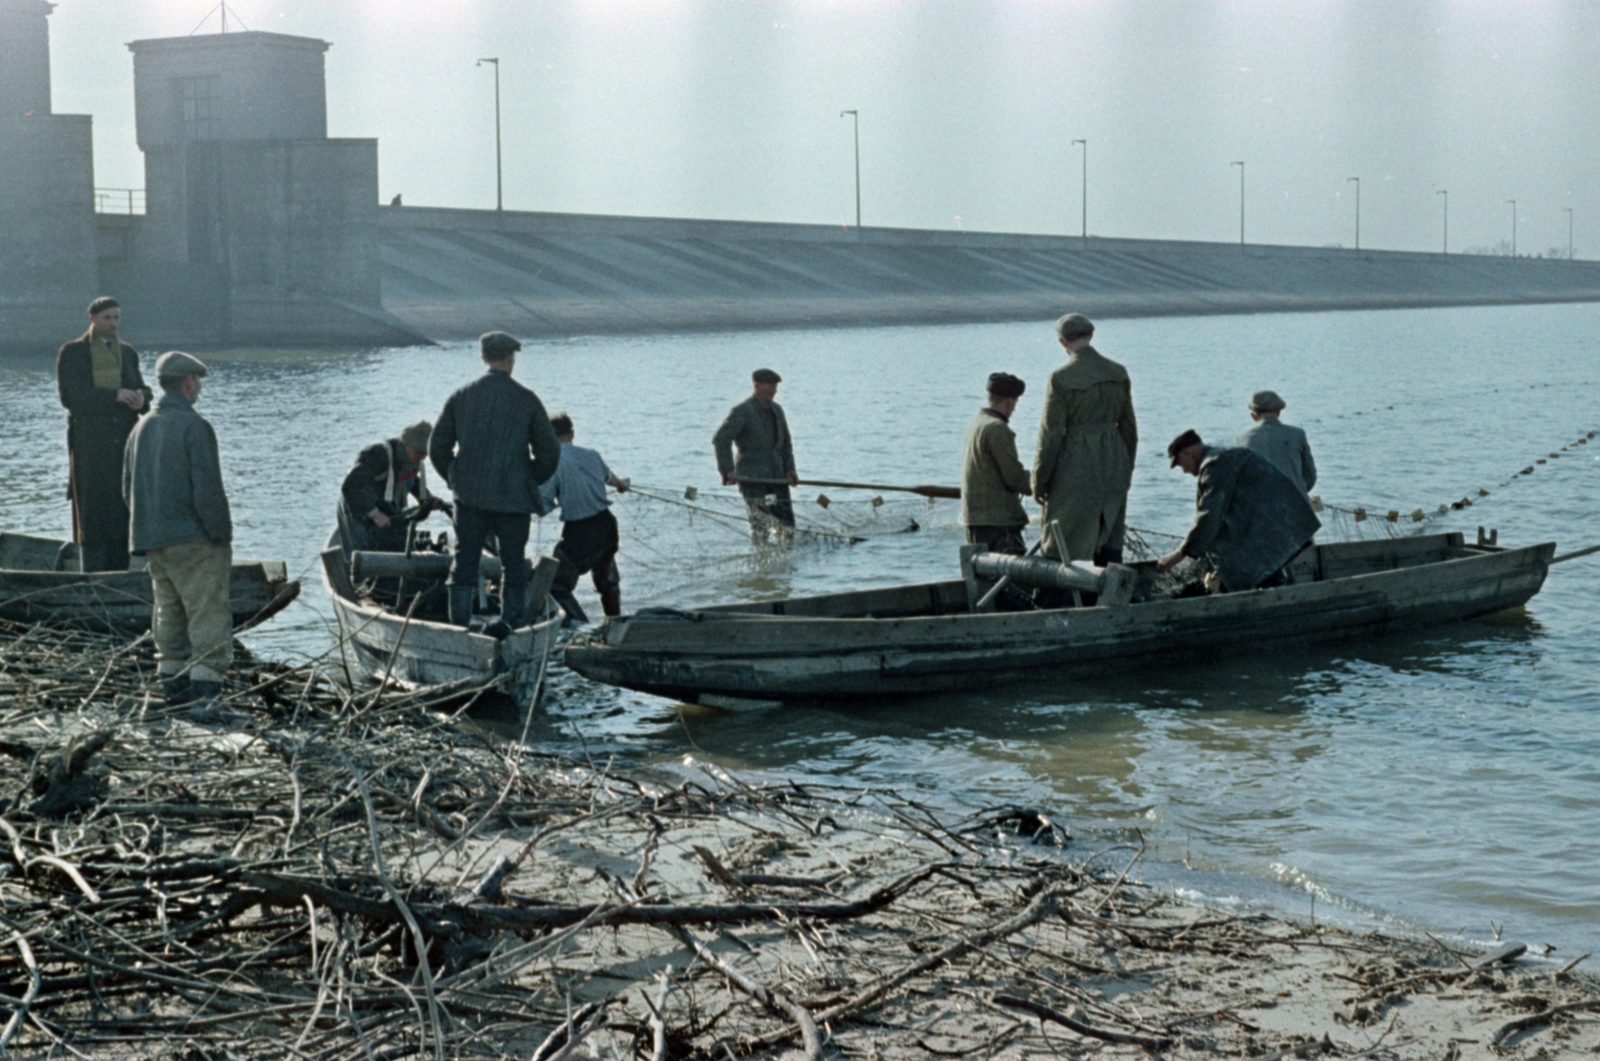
(951, 492)
(1575, 554)
(996, 589)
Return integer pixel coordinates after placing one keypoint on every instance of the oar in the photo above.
(951, 492)
(1575, 554)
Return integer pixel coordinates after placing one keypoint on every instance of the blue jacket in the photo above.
(172, 480)
(1286, 447)
(482, 443)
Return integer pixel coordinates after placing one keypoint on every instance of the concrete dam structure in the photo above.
(451, 274)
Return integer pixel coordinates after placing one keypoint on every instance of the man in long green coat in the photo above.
(1084, 461)
(104, 392)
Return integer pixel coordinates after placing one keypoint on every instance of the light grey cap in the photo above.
(415, 437)
(175, 364)
(1267, 402)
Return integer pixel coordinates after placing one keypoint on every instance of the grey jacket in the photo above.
(1285, 446)
(1248, 515)
(482, 443)
(759, 434)
(172, 480)
(992, 476)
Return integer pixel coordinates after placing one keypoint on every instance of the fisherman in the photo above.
(992, 476)
(589, 538)
(494, 447)
(755, 452)
(1248, 515)
(1285, 446)
(100, 384)
(172, 482)
(1087, 441)
(375, 491)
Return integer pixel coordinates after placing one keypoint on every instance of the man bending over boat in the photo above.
(589, 537)
(992, 476)
(494, 447)
(756, 453)
(1249, 516)
(375, 491)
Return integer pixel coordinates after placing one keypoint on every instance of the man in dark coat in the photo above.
(375, 490)
(100, 384)
(495, 448)
(753, 443)
(1249, 515)
(992, 476)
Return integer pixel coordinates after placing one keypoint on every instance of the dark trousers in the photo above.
(1006, 540)
(99, 514)
(770, 508)
(474, 528)
(589, 547)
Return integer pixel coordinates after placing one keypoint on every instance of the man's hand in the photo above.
(729, 479)
(621, 484)
(1040, 498)
(132, 399)
(793, 477)
(379, 518)
(1168, 562)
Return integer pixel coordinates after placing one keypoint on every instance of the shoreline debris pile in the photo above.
(370, 875)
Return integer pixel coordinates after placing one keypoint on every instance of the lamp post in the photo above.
(499, 182)
(1241, 200)
(1446, 219)
(1568, 209)
(1358, 209)
(855, 118)
(1085, 186)
(1513, 203)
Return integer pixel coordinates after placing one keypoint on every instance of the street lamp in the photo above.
(1241, 200)
(855, 118)
(1568, 209)
(1358, 209)
(1085, 236)
(499, 182)
(1513, 203)
(1446, 219)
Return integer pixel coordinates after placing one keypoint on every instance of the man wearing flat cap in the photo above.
(172, 481)
(98, 377)
(1248, 516)
(756, 453)
(375, 491)
(993, 480)
(1084, 461)
(495, 448)
(1285, 446)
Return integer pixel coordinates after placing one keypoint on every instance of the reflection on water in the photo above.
(1449, 777)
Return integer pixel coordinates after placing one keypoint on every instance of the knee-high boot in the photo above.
(461, 604)
(514, 593)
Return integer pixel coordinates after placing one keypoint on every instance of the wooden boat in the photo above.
(425, 650)
(38, 584)
(924, 638)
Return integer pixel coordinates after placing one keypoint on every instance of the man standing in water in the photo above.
(753, 444)
(1286, 447)
(100, 384)
(992, 476)
(1087, 441)
(495, 448)
(589, 536)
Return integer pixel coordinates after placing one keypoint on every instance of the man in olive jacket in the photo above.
(754, 443)
(494, 446)
(172, 481)
(1087, 440)
(991, 475)
(101, 386)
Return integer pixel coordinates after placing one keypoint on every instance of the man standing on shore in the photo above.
(1087, 441)
(172, 481)
(589, 537)
(1285, 446)
(753, 444)
(99, 381)
(494, 447)
(992, 476)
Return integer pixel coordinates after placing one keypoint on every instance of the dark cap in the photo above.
(1074, 326)
(1267, 402)
(765, 375)
(497, 346)
(175, 364)
(1005, 385)
(1189, 438)
(103, 303)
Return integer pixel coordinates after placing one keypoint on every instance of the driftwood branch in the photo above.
(1044, 1012)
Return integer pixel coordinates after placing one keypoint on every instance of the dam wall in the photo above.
(452, 274)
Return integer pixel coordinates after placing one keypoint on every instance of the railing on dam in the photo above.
(119, 201)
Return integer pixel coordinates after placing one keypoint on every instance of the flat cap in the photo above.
(1267, 402)
(415, 437)
(1005, 385)
(1189, 438)
(765, 375)
(1074, 326)
(175, 364)
(498, 345)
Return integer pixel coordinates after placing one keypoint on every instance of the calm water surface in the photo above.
(1448, 780)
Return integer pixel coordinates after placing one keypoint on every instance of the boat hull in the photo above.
(743, 653)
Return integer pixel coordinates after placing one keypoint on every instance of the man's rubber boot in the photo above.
(611, 601)
(178, 690)
(461, 605)
(514, 593)
(569, 605)
(207, 708)
(1106, 556)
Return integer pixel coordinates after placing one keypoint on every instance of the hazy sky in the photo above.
(730, 109)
